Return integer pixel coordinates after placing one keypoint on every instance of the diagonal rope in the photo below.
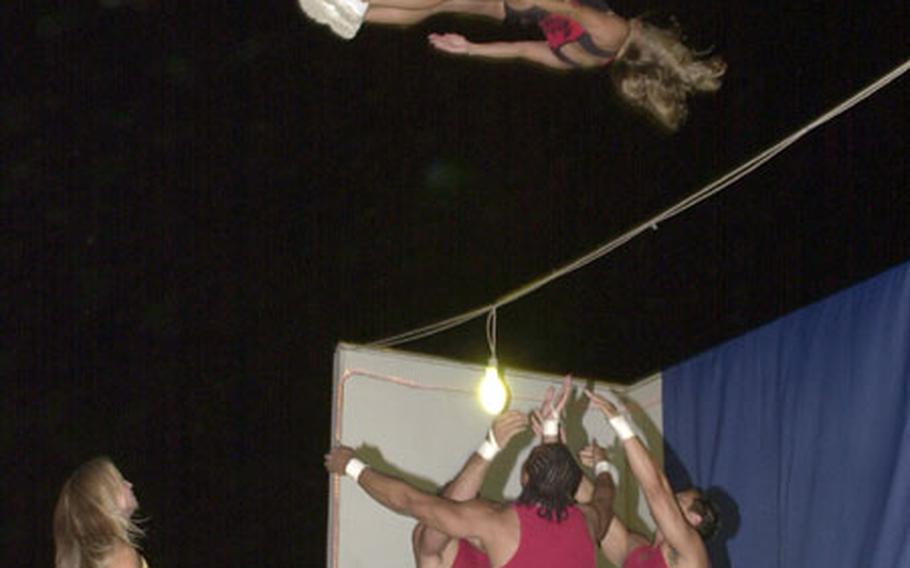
(703, 194)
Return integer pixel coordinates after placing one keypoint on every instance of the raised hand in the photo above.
(537, 426)
(337, 459)
(553, 404)
(592, 453)
(507, 425)
(546, 405)
(608, 408)
(559, 401)
(550, 410)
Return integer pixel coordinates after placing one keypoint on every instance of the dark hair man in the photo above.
(684, 520)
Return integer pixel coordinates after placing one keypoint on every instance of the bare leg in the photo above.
(395, 16)
(407, 12)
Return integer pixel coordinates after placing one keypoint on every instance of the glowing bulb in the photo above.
(493, 392)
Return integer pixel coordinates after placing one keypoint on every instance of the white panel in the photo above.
(417, 417)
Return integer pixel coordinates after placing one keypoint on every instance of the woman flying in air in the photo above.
(651, 66)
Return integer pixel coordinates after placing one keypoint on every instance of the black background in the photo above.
(199, 199)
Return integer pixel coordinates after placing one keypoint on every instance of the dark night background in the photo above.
(199, 199)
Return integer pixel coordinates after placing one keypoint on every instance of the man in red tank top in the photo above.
(542, 529)
(684, 520)
(433, 549)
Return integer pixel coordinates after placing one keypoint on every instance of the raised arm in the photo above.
(546, 420)
(618, 541)
(457, 519)
(467, 484)
(599, 510)
(469, 480)
(656, 488)
(532, 51)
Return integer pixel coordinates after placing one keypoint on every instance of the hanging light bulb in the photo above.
(493, 392)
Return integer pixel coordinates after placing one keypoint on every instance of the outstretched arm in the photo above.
(532, 51)
(655, 486)
(467, 484)
(618, 541)
(600, 508)
(460, 520)
(546, 420)
(614, 541)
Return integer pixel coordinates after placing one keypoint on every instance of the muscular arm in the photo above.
(677, 531)
(531, 51)
(459, 520)
(601, 506)
(465, 486)
(599, 494)
(662, 502)
(618, 541)
(467, 483)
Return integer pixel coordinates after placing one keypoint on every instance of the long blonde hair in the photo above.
(88, 521)
(657, 72)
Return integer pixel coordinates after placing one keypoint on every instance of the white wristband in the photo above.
(603, 466)
(354, 468)
(489, 448)
(622, 428)
(551, 427)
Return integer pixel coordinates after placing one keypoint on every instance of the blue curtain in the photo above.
(805, 424)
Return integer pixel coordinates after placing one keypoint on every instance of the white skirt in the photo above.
(343, 17)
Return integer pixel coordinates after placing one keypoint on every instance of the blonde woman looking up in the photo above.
(93, 520)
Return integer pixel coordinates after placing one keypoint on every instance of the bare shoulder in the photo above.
(503, 533)
(124, 556)
(475, 517)
(488, 508)
(492, 518)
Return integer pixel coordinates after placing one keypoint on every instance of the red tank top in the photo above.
(545, 544)
(469, 556)
(645, 556)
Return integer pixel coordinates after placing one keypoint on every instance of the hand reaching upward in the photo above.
(545, 419)
(609, 409)
(508, 425)
(592, 453)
